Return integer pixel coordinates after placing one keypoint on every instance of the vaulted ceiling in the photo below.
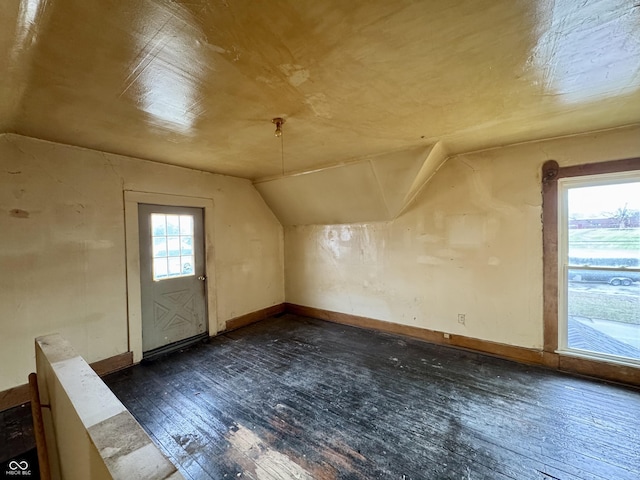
(196, 83)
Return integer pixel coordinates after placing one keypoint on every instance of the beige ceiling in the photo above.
(196, 83)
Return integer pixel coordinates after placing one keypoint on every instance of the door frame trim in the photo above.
(132, 199)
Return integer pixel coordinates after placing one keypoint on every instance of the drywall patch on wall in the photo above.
(466, 230)
(429, 260)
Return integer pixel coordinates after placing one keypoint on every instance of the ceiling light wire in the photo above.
(282, 152)
(279, 121)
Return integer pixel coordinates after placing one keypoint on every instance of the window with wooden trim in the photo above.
(591, 216)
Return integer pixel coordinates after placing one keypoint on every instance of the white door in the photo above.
(172, 276)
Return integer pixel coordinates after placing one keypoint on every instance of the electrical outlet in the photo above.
(446, 335)
(462, 318)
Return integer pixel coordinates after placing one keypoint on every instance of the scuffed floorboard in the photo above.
(297, 398)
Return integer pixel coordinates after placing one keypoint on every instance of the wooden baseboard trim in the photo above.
(19, 395)
(112, 364)
(14, 396)
(574, 365)
(605, 371)
(253, 317)
(521, 354)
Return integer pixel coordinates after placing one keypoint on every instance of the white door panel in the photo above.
(172, 275)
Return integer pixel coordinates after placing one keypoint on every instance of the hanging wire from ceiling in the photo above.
(279, 121)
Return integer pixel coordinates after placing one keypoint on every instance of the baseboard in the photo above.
(14, 396)
(511, 352)
(19, 395)
(605, 371)
(581, 366)
(253, 317)
(112, 364)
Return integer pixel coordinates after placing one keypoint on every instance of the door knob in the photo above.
(202, 277)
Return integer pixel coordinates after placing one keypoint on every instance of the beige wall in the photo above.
(62, 260)
(471, 243)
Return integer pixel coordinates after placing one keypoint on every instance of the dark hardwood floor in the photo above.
(17, 443)
(296, 398)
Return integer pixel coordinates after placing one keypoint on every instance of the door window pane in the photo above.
(173, 225)
(159, 268)
(187, 265)
(603, 258)
(186, 245)
(172, 245)
(158, 224)
(159, 247)
(174, 266)
(186, 225)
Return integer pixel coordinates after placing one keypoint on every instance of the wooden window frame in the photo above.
(551, 173)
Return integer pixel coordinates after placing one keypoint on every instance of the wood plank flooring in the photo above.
(17, 443)
(297, 398)
(16, 431)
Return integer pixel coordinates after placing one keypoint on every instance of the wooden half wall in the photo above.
(89, 432)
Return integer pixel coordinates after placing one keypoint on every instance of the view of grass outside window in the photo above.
(602, 262)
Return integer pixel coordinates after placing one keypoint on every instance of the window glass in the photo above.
(159, 247)
(602, 268)
(172, 245)
(159, 268)
(158, 225)
(186, 225)
(173, 225)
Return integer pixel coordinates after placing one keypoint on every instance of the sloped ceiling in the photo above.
(196, 83)
(374, 189)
